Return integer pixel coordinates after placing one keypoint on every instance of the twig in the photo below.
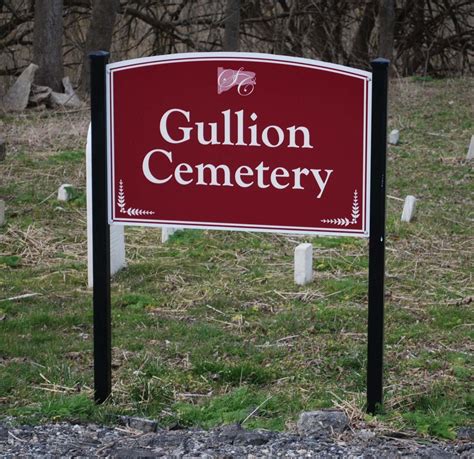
(47, 197)
(255, 410)
(214, 309)
(19, 297)
(394, 197)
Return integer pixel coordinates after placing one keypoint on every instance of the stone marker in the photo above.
(303, 264)
(39, 94)
(143, 425)
(394, 137)
(166, 232)
(322, 423)
(117, 233)
(68, 99)
(68, 89)
(2, 212)
(3, 149)
(408, 209)
(64, 192)
(470, 152)
(17, 96)
(65, 100)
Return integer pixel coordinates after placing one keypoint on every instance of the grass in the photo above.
(209, 327)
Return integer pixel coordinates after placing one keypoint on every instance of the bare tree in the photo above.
(232, 26)
(99, 34)
(386, 28)
(360, 47)
(47, 43)
(420, 36)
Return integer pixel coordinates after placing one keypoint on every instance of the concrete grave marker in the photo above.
(166, 232)
(2, 212)
(303, 264)
(64, 192)
(394, 137)
(117, 234)
(470, 151)
(409, 209)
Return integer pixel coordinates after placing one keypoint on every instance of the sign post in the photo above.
(100, 230)
(377, 236)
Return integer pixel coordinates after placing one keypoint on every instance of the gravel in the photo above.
(232, 441)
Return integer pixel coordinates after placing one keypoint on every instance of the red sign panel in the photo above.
(239, 141)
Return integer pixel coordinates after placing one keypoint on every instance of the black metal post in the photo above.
(100, 229)
(377, 235)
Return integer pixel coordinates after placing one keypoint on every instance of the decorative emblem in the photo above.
(345, 221)
(242, 79)
(131, 211)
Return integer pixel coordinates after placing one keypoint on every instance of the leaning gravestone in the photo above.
(17, 96)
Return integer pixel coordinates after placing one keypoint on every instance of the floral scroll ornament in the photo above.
(131, 211)
(344, 221)
(242, 79)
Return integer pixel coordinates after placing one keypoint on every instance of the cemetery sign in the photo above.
(239, 141)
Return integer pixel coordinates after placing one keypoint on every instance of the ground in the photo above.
(209, 328)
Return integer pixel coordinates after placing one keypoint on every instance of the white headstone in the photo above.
(394, 137)
(409, 209)
(64, 193)
(470, 152)
(166, 232)
(303, 264)
(117, 234)
(2, 212)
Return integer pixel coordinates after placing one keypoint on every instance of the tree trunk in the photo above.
(99, 35)
(232, 26)
(386, 28)
(360, 48)
(48, 43)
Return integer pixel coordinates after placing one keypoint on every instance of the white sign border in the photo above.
(256, 57)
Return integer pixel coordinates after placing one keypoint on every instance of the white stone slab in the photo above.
(303, 264)
(470, 151)
(64, 193)
(394, 137)
(2, 212)
(117, 233)
(409, 209)
(166, 232)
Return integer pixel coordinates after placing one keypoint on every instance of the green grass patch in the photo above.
(210, 327)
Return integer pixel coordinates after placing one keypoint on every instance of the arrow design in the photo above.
(344, 221)
(131, 211)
